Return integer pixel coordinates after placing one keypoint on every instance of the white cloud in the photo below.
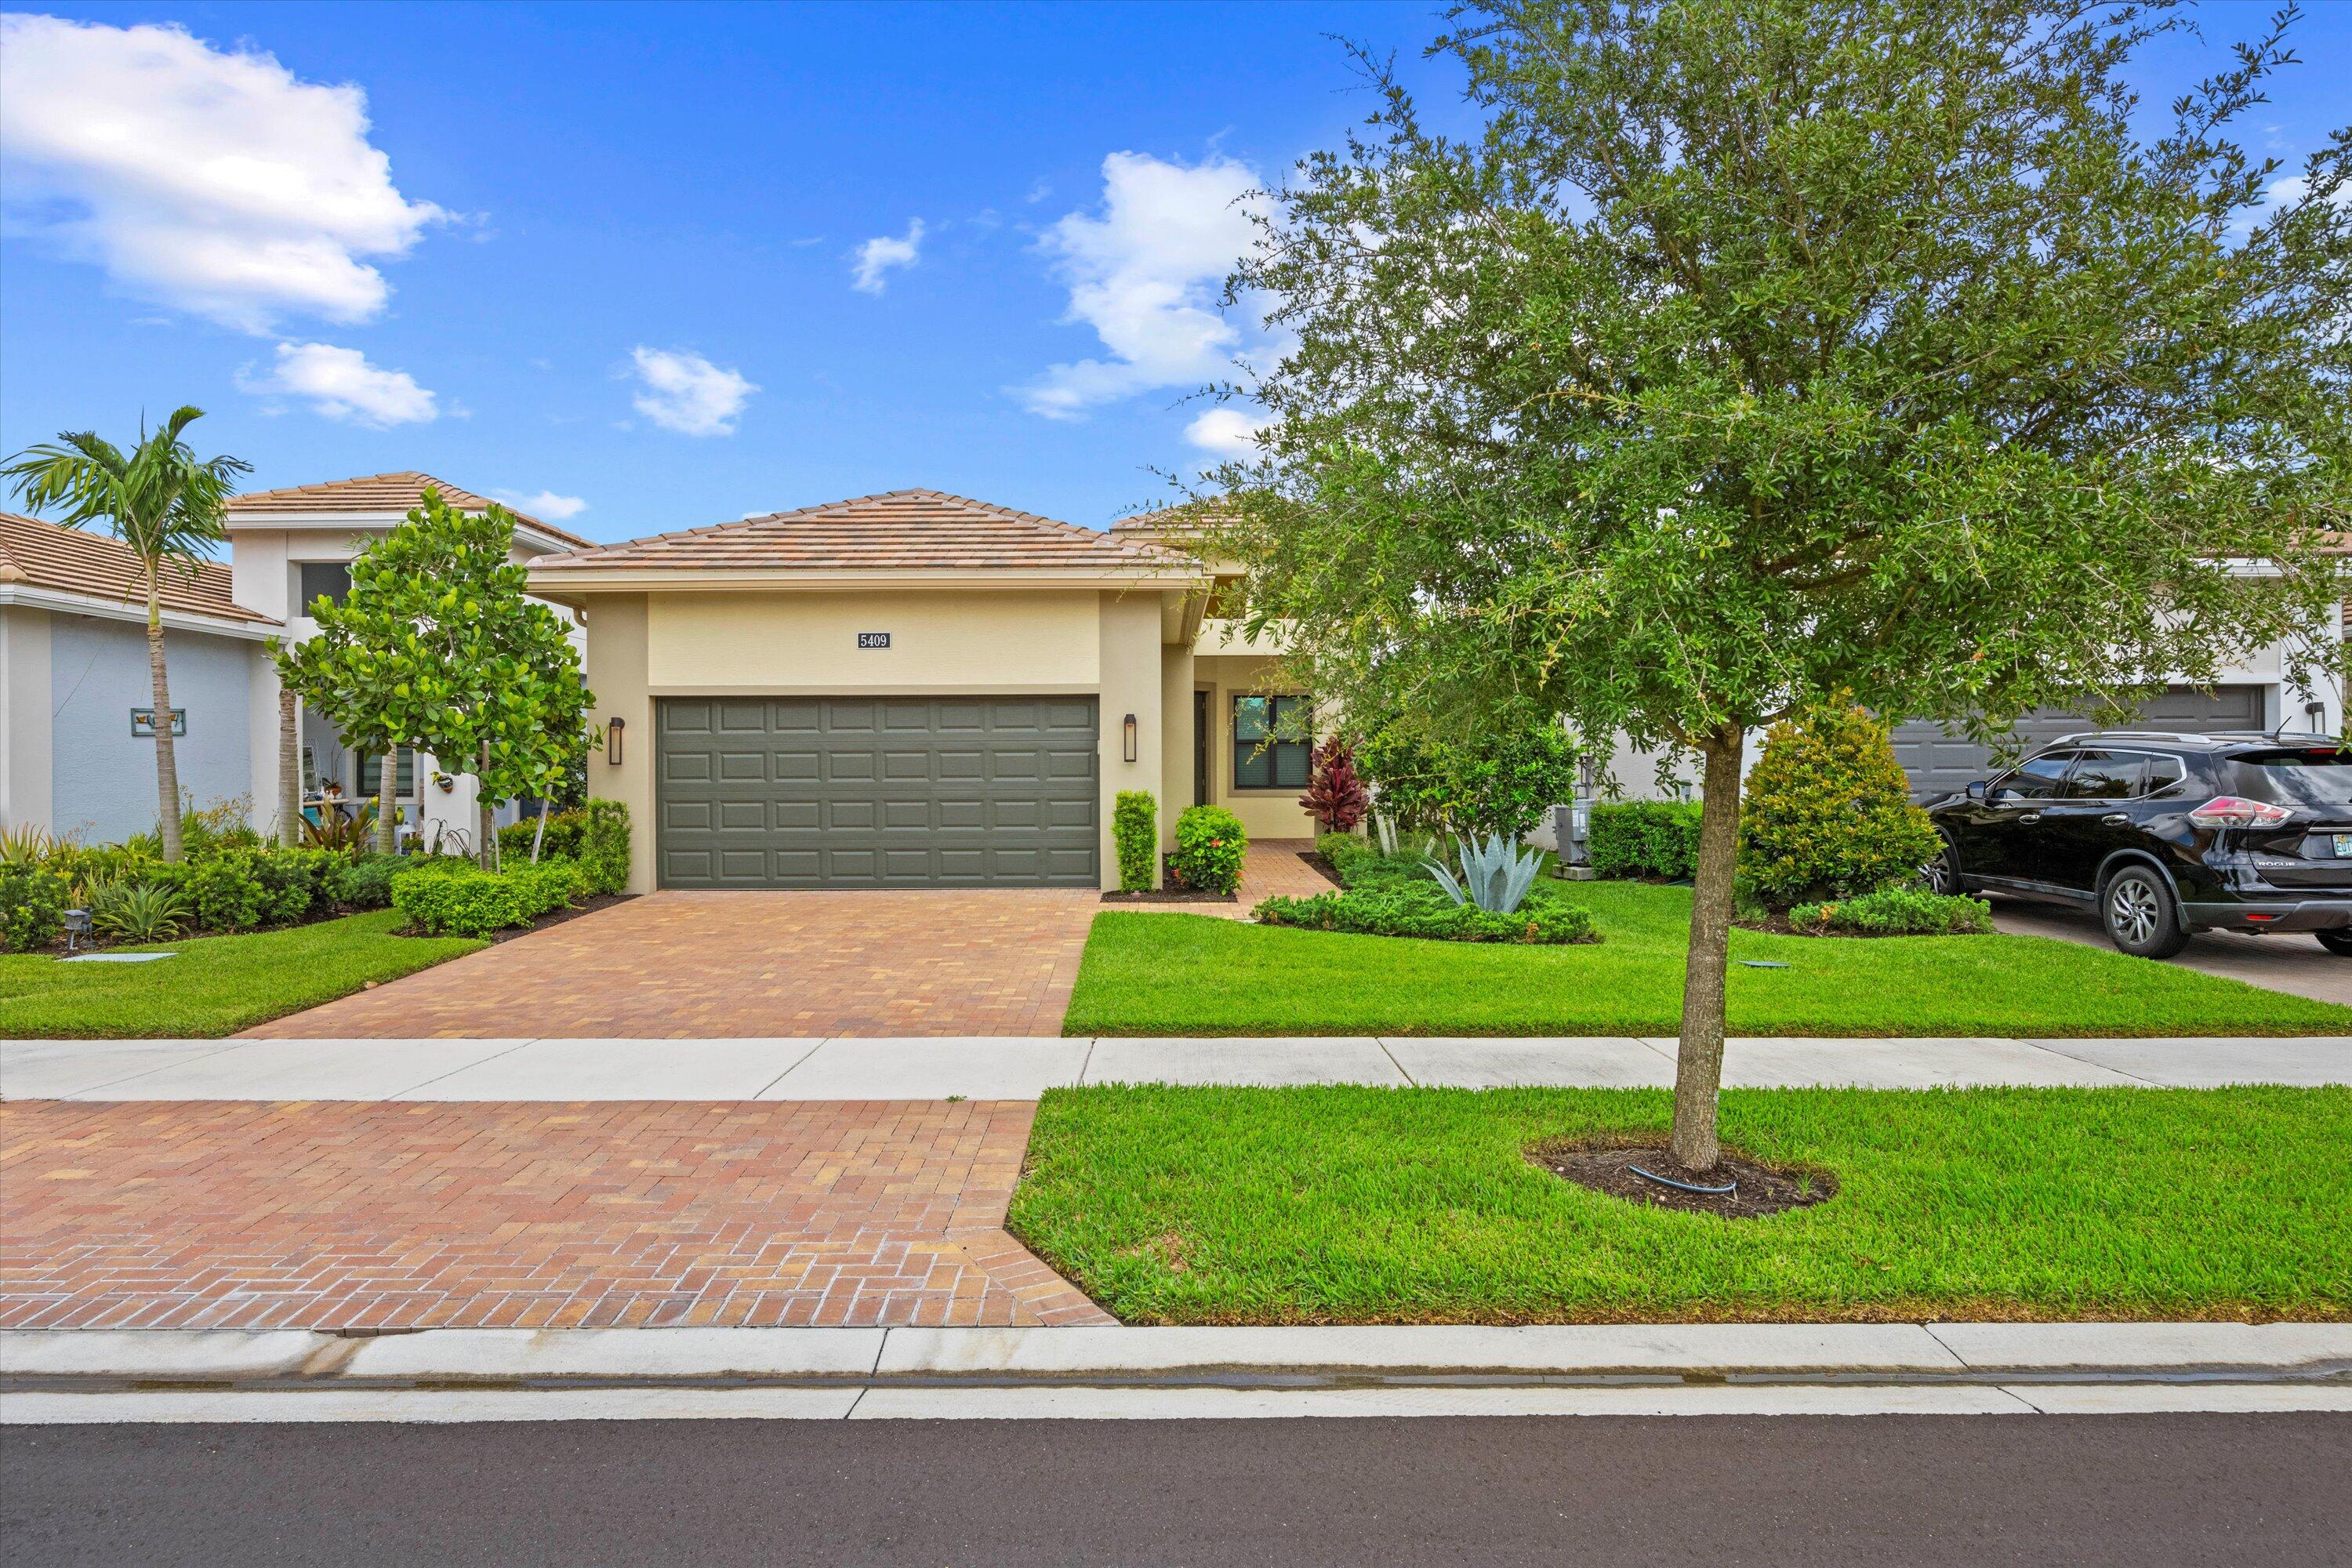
(1227, 432)
(215, 183)
(546, 504)
(685, 393)
(1145, 274)
(341, 385)
(879, 255)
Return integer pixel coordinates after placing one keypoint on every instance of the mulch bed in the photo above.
(1330, 873)
(1171, 895)
(587, 905)
(1762, 1189)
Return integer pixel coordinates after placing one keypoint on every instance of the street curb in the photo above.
(84, 1361)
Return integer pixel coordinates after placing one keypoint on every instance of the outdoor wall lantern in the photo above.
(1131, 737)
(613, 728)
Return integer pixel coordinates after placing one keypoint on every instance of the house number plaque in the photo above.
(874, 639)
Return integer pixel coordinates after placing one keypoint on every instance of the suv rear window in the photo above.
(2314, 777)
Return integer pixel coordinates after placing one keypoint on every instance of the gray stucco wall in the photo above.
(103, 777)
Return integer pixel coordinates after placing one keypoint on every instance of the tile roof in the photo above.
(374, 493)
(77, 561)
(898, 531)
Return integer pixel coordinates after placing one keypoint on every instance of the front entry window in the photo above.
(1266, 753)
(403, 777)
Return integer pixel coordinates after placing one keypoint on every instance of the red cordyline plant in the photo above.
(1336, 797)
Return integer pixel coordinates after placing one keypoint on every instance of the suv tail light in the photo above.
(2236, 811)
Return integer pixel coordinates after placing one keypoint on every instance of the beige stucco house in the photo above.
(914, 689)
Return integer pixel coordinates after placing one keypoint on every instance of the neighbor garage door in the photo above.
(1939, 764)
(875, 793)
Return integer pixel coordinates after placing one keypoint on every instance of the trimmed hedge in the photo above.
(1425, 911)
(365, 883)
(32, 906)
(1135, 830)
(243, 889)
(1644, 838)
(1896, 911)
(462, 900)
(1209, 845)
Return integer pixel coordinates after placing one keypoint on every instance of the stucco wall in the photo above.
(617, 632)
(944, 642)
(24, 768)
(102, 779)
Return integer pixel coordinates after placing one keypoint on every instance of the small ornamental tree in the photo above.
(1493, 780)
(1336, 797)
(437, 647)
(1829, 812)
(1745, 352)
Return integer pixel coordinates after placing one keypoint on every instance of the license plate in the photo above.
(2344, 846)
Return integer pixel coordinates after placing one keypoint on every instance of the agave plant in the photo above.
(137, 911)
(26, 846)
(1496, 875)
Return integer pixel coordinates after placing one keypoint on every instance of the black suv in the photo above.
(2165, 835)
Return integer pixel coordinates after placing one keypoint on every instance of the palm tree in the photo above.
(161, 503)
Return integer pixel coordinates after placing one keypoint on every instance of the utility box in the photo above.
(1572, 831)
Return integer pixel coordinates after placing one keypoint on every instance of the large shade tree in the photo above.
(1752, 349)
(164, 502)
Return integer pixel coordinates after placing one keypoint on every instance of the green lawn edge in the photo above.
(1182, 974)
(215, 985)
(1352, 1205)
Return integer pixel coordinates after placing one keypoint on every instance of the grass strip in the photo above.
(212, 985)
(1418, 1205)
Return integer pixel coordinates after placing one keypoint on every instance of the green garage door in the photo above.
(1940, 763)
(829, 792)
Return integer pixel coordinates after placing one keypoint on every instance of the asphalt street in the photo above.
(1728, 1493)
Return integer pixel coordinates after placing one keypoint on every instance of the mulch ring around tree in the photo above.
(1758, 1189)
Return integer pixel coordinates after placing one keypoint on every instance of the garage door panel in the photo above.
(1939, 764)
(878, 793)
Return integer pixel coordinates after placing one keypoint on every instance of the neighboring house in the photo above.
(289, 546)
(74, 676)
(911, 689)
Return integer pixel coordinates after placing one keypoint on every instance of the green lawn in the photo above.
(1164, 973)
(216, 984)
(1237, 1205)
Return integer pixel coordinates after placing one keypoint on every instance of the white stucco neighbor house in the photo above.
(73, 662)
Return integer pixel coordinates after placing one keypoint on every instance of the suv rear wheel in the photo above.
(2338, 942)
(2141, 921)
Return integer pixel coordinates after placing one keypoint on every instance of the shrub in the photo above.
(1495, 876)
(32, 905)
(1423, 911)
(138, 912)
(1829, 812)
(1135, 830)
(1896, 911)
(604, 846)
(462, 900)
(240, 889)
(365, 883)
(561, 842)
(227, 893)
(1499, 783)
(1336, 797)
(1360, 865)
(1644, 838)
(1209, 845)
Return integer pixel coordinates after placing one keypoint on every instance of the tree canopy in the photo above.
(1759, 349)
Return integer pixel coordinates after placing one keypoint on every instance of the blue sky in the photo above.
(683, 262)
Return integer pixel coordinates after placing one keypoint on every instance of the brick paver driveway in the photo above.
(685, 966)
(631, 1213)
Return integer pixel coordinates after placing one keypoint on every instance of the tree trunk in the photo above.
(289, 766)
(488, 840)
(388, 801)
(167, 763)
(1698, 1064)
(538, 833)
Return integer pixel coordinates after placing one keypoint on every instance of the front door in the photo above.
(1200, 748)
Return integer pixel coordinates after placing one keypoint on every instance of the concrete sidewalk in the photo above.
(574, 1070)
(58, 1377)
